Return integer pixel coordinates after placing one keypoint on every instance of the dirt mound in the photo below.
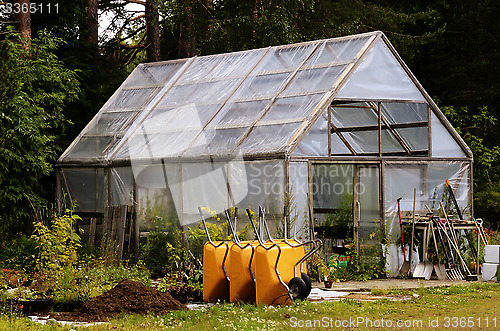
(127, 297)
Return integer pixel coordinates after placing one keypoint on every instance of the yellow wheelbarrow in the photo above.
(215, 274)
(278, 264)
(242, 267)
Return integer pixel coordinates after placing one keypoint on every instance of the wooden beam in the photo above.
(339, 134)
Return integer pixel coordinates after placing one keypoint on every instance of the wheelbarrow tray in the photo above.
(269, 289)
(215, 282)
(242, 284)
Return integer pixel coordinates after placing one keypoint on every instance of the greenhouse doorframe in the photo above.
(347, 187)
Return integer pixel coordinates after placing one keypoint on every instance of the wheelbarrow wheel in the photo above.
(307, 280)
(298, 288)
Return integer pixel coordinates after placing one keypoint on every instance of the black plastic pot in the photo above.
(35, 306)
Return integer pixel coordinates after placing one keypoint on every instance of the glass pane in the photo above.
(235, 64)
(389, 143)
(261, 86)
(314, 79)
(149, 74)
(266, 187)
(363, 141)
(133, 98)
(269, 138)
(156, 200)
(332, 185)
(109, 123)
(122, 185)
(405, 112)
(336, 51)
(199, 69)
(353, 117)
(216, 142)
(89, 147)
(86, 188)
(369, 221)
(299, 187)
(416, 138)
(239, 113)
(279, 58)
(293, 108)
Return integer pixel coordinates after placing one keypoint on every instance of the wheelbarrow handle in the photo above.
(249, 213)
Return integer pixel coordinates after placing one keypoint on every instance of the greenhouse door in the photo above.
(348, 195)
(366, 213)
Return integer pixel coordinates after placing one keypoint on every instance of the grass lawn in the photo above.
(473, 306)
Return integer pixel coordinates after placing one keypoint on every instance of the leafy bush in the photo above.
(160, 256)
(18, 254)
(34, 89)
(371, 266)
(56, 243)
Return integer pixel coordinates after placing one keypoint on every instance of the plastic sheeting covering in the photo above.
(122, 186)
(443, 143)
(299, 188)
(258, 102)
(172, 193)
(119, 112)
(250, 102)
(428, 178)
(315, 142)
(380, 77)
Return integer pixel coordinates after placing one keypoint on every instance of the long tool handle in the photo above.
(434, 239)
(441, 239)
(413, 225)
(401, 227)
(454, 241)
(480, 231)
(450, 190)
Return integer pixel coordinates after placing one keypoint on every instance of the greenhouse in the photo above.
(339, 128)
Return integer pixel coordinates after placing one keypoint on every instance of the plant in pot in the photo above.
(328, 275)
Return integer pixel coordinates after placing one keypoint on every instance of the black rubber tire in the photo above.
(298, 288)
(306, 280)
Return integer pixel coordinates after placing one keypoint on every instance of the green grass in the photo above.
(466, 305)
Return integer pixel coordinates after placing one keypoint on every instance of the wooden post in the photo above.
(92, 232)
(121, 225)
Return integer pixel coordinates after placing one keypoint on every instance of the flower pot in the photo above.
(328, 284)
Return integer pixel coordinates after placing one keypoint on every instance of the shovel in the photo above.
(424, 269)
(406, 264)
(439, 268)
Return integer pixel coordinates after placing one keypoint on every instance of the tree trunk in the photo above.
(152, 31)
(186, 40)
(92, 27)
(23, 19)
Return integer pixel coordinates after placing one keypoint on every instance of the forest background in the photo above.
(57, 68)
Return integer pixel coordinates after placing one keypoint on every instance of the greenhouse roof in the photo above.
(256, 102)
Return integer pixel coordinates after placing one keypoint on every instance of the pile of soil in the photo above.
(128, 297)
